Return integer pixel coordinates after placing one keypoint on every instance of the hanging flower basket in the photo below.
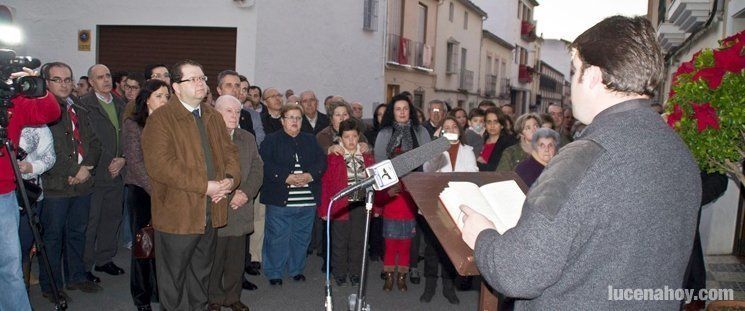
(707, 106)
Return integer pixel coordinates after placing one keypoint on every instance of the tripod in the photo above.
(60, 303)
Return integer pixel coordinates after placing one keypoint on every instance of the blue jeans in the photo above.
(64, 221)
(13, 294)
(286, 239)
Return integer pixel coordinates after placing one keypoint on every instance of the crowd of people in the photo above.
(238, 185)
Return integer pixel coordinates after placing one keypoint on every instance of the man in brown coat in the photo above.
(229, 258)
(193, 166)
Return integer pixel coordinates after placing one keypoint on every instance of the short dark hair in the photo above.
(149, 70)
(389, 119)
(626, 51)
(225, 73)
(376, 124)
(476, 112)
(547, 118)
(141, 112)
(487, 103)
(255, 87)
(177, 75)
(84, 78)
(244, 79)
(118, 76)
(348, 125)
(48, 66)
(136, 76)
(455, 111)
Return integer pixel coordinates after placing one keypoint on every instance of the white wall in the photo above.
(555, 53)
(718, 221)
(320, 45)
(503, 20)
(51, 27)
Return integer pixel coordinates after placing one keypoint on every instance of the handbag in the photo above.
(33, 192)
(144, 244)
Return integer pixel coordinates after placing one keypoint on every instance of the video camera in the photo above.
(27, 86)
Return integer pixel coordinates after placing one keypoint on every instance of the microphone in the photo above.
(385, 173)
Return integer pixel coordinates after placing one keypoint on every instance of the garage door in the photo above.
(131, 48)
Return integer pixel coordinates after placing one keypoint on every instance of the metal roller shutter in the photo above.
(131, 48)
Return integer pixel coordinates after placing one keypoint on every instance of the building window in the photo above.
(422, 35)
(451, 12)
(370, 15)
(452, 57)
(418, 99)
(465, 20)
(519, 9)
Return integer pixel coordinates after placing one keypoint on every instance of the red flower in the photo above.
(675, 116)
(713, 76)
(684, 68)
(705, 116)
(730, 59)
(734, 39)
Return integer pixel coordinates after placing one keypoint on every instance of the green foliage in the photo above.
(716, 150)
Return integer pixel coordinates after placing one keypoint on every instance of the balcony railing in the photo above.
(466, 80)
(504, 89)
(399, 51)
(422, 55)
(527, 31)
(525, 74)
(490, 86)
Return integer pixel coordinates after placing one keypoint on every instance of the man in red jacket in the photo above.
(24, 112)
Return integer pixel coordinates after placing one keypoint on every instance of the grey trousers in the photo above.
(226, 277)
(183, 263)
(104, 218)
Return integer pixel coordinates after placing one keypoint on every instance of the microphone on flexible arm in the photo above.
(385, 173)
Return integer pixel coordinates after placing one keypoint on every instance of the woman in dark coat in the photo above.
(293, 167)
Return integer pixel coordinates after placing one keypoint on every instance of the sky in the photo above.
(567, 19)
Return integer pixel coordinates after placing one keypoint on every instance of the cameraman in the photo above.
(24, 112)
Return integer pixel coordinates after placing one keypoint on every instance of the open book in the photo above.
(500, 202)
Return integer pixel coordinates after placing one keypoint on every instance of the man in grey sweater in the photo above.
(616, 209)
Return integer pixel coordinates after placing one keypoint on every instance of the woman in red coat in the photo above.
(348, 213)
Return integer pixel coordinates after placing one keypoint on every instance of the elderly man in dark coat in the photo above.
(227, 269)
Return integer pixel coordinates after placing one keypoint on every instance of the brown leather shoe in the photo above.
(238, 306)
(214, 307)
(401, 281)
(388, 286)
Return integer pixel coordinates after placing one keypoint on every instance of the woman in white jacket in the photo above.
(459, 158)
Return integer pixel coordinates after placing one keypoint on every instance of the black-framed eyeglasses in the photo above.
(194, 79)
(60, 80)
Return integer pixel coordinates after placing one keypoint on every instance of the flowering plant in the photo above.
(706, 106)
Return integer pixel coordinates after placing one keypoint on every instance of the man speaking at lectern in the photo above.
(615, 209)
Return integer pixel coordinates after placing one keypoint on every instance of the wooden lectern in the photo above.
(425, 189)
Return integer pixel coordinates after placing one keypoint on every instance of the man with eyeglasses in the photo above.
(192, 164)
(106, 202)
(313, 120)
(271, 119)
(158, 71)
(131, 88)
(68, 186)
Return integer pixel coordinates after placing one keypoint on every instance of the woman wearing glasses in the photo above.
(293, 166)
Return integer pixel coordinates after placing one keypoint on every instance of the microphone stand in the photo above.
(359, 299)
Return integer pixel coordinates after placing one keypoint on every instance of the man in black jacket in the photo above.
(68, 186)
(313, 120)
(105, 112)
